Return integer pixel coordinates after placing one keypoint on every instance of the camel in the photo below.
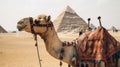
(97, 45)
(46, 31)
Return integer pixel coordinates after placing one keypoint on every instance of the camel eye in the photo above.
(22, 22)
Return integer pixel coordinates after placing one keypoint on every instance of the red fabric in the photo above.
(97, 45)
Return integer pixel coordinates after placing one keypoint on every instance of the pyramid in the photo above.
(69, 21)
(2, 30)
(92, 26)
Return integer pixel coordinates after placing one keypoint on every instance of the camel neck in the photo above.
(50, 37)
(54, 45)
(52, 42)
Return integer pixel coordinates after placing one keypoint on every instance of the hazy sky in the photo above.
(11, 11)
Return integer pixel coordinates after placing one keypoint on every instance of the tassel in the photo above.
(86, 65)
(82, 65)
(60, 64)
(36, 44)
(69, 65)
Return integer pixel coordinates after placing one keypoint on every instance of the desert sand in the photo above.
(18, 50)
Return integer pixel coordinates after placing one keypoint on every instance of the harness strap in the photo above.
(39, 25)
(36, 44)
(31, 25)
(43, 25)
(62, 51)
(35, 38)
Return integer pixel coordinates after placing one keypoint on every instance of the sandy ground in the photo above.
(18, 50)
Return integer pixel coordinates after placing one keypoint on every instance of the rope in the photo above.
(35, 38)
(36, 44)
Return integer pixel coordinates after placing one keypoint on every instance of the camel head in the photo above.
(39, 25)
(24, 24)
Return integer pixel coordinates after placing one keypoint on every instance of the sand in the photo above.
(18, 50)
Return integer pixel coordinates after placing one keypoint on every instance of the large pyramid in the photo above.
(2, 30)
(69, 21)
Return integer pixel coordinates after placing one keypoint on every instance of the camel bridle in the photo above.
(37, 24)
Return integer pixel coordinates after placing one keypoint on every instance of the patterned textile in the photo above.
(97, 45)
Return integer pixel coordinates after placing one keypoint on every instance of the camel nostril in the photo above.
(18, 26)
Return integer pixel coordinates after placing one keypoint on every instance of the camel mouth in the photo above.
(20, 27)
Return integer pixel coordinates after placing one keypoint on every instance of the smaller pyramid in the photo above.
(69, 21)
(92, 26)
(114, 29)
(2, 30)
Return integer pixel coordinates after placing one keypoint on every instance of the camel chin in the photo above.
(21, 29)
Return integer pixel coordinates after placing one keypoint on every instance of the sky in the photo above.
(11, 11)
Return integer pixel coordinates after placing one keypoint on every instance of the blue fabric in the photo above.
(99, 61)
(116, 55)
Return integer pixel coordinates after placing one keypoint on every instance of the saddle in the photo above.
(98, 45)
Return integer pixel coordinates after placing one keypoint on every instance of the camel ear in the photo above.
(48, 18)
